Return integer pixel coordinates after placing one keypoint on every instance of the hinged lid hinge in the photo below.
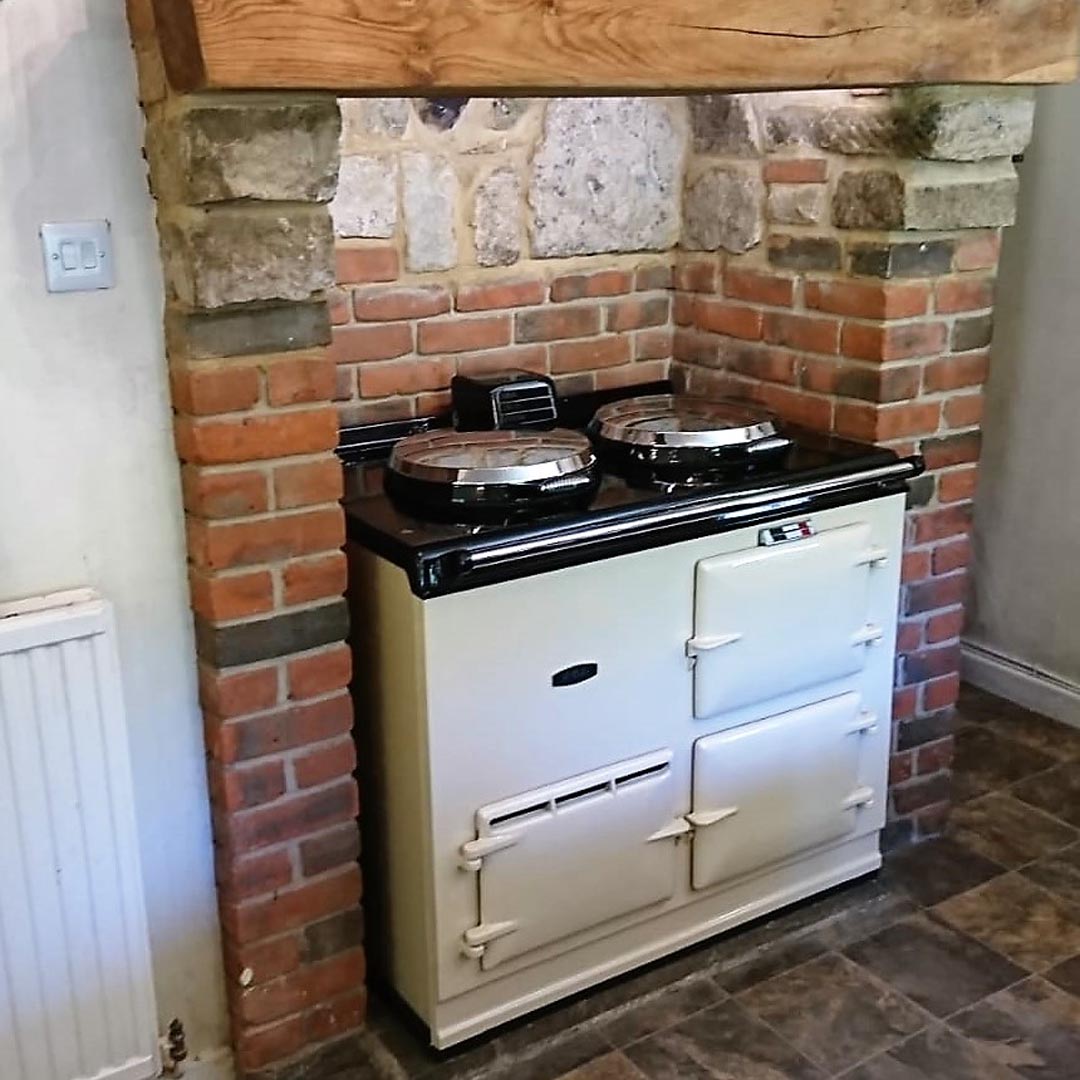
(474, 852)
(867, 635)
(476, 940)
(702, 819)
(860, 797)
(873, 556)
(708, 642)
(679, 827)
(864, 724)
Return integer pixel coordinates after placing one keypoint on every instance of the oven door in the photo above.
(772, 620)
(769, 790)
(559, 860)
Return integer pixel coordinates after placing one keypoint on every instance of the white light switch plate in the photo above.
(78, 255)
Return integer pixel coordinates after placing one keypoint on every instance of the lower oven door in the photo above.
(771, 620)
(559, 860)
(769, 790)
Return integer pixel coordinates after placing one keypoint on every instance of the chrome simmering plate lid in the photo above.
(681, 421)
(491, 457)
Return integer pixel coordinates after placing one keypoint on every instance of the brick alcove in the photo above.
(831, 255)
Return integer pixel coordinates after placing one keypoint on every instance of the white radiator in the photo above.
(76, 997)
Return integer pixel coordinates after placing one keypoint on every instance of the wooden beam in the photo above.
(427, 47)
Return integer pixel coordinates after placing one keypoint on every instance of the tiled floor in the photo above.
(960, 961)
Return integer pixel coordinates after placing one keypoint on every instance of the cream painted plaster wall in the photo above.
(88, 477)
(1026, 604)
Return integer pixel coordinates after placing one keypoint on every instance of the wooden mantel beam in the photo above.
(427, 47)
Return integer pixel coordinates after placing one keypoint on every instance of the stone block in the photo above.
(430, 200)
(240, 255)
(797, 204)
(502, 114)
(724, 124)
(958, 123)
(804, 252)
(381, 118)
(927, 195)
(248, 331)
(266, 149)
(606, 177)
(927, 258)
(866, 127)
(724, 208)
(497, 218)
(366, 204)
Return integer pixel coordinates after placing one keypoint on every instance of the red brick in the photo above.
(308, 483)
(394, 303)
(958, 485)
(933, 757)
(945, 627)
(915, 565)
(234, 693)
(953, 372)
(652, 278)
(340, 847)
(241, 788)
(271, 1001)
(410, 376)
(877, 383)
(868, 299)
(525, 357)
(432, 402)
(555, 324)
(734, 320)
(682, 309)
(266, 960)
(236, 596)
(325, 763)
(464, 335)
(339, 301)
(798, 407)
(638, 314)
(360, 265)
(314, 579)
(259, 1047)
(920, 793)
(358, 344)
(289, 819)
(964, 410)
(256, 437)
(896, 341)
(963, 294)
(335, 1018)
(221, 547)
(759, 288)
(489, 295)
(593, 353)
(885, 422)
(909, 636)
(584, 286)
(700, 276)
(204, 389)
(236, 493)
(931, 663)
(905, 701)
(801, 332)
(977, 250)
(795, 170)
(963, 448)
(819, 374)
(345, 383)
(631, 374)
(319, 673)
(273, 733)
(955, 555)
(253, 875)
(941, 693)
(901, 767)
(937, 593)
(761, 362)
(302, 988)
(653, 344)
(304, 378)
(941, 524)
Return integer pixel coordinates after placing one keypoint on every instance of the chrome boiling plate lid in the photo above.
(491, 457)
(675, 420)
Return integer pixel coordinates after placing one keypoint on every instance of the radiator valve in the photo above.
(175, 1049)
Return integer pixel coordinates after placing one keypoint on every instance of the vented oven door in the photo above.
(769, 790)
(562, 859)
(770, 620)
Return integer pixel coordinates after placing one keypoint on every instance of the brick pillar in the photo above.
(242, 185)
(841, 271)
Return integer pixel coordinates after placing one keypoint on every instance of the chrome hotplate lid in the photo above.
(675, 420)
(491, 457)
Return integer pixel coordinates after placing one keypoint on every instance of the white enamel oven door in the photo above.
(771, 620)
(768, 790)
(562, 859)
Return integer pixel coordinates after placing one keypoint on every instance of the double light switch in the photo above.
(78, 255)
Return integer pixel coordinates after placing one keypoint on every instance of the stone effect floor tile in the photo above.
(935, 1054)
(985, 762)
(661, 1010)
(614, 1066)
(938, 869)
(1057, 792)
(937, 967)
(1013, 722)
(1033, 1029)
(1066, 975)
(833, 1012)
(722, 1043)
(1008, 831)
(1059, 873)
(1026, 923)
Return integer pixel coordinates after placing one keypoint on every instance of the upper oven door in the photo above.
(769, 620)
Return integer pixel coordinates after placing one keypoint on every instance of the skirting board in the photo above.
(1022, 683)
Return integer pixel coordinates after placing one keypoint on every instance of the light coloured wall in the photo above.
(1027, 541)
(88, 480)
